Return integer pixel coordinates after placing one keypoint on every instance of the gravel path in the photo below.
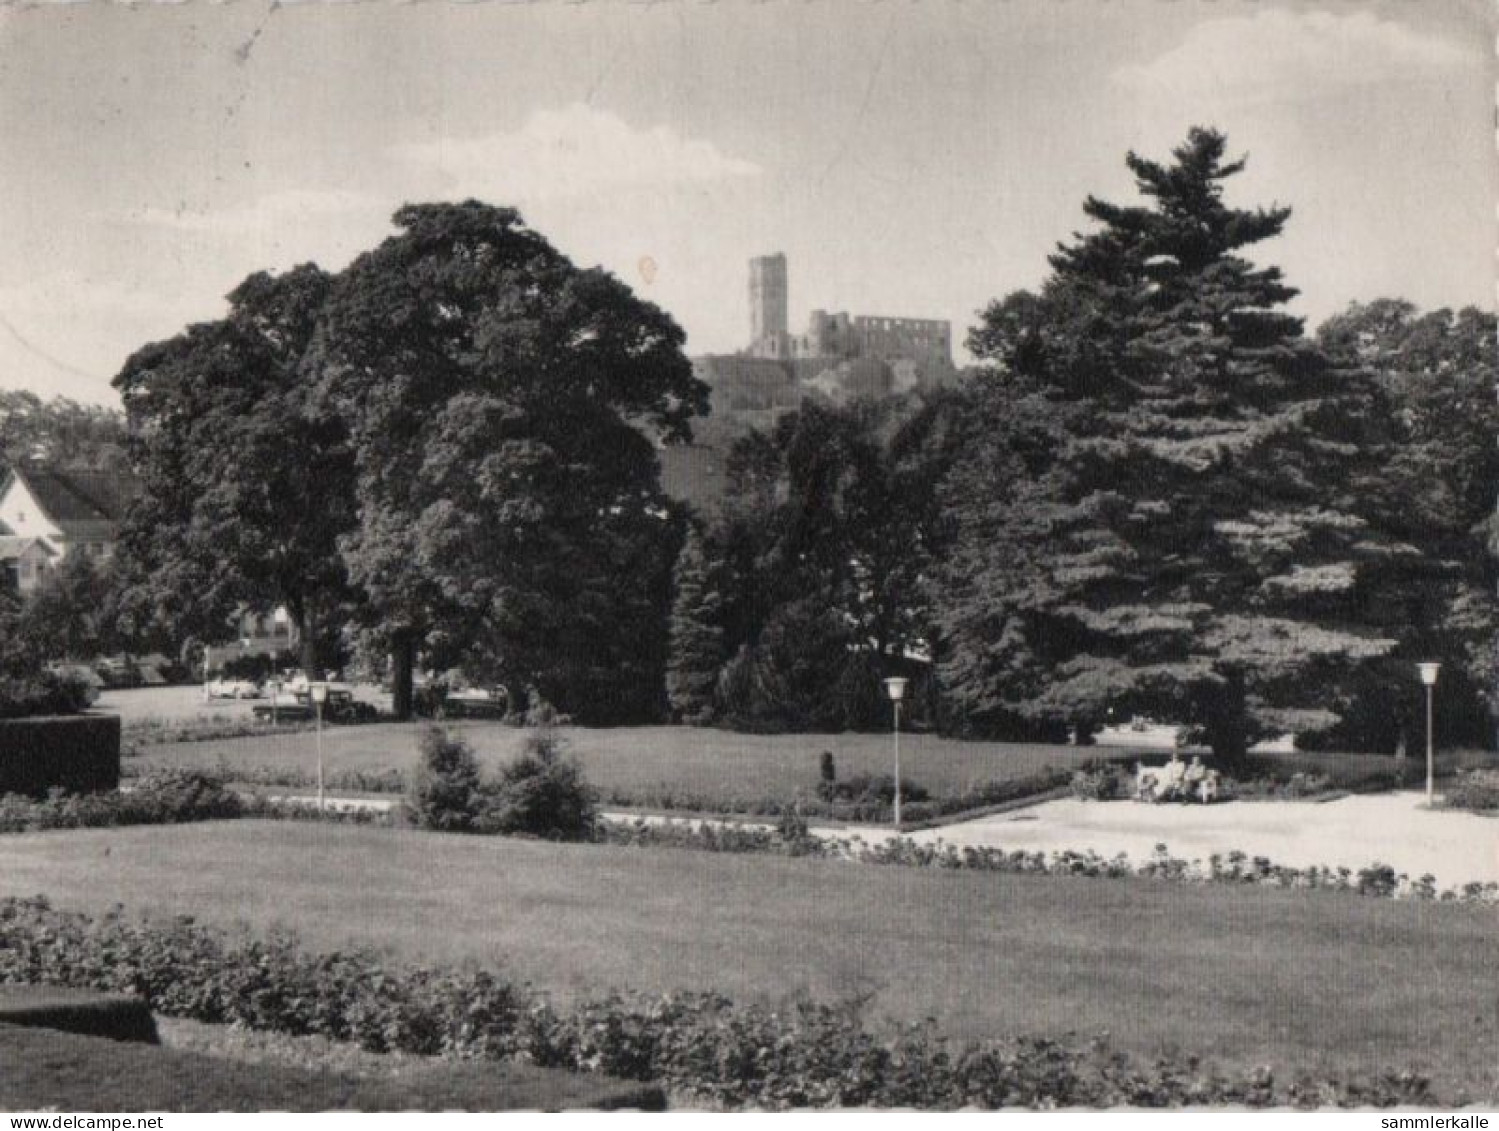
(1354, 832)
(1391, 828)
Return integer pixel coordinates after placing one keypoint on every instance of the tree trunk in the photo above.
(307, 630)
(403, 665)
(1226, 722)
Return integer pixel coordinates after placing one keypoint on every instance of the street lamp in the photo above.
(895, 687)
(319, 692)
(1429, 678)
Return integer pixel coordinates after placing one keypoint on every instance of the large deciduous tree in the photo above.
(1436, 492)
(247, 485)
(1164, 517)
(501, 405)
(828, 530)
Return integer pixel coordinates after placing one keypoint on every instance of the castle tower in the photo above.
(767, 295)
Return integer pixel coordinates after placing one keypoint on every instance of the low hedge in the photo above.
(77, 753)
(119, 1017)
(1239, 868)
(166, 797)
(700, 1045)
(871, 808)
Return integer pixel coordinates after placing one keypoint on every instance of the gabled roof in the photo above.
(83, 504)
(12, 547)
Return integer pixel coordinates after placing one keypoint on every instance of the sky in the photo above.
(910, 159)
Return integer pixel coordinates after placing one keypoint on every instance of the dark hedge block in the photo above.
(76, 753)
(120, 1017)
(42, 1069)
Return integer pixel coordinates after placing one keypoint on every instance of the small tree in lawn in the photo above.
(697, 647)
(446, 792)
(540, 794)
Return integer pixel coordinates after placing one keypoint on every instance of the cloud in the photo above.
(572, 152)
(1274, 55)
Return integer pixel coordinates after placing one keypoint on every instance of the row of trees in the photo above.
(448, 446)
(1158, 495)
(59, 431)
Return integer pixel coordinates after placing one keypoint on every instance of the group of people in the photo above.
(1176, 781)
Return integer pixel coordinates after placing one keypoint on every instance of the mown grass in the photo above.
(1313, 982)
(662, 767)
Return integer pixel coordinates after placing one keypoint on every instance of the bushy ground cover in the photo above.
(1316, 982)
(1476, 791)
(703, 1045)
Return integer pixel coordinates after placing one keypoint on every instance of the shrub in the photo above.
(542, 793)
(540, 713)
(173, 796)
(76, 753)
(1475, 790)
(445, 791)
(165, 797)
(877, 789)
(1106, 782)
(1298, 786)
(44, 693)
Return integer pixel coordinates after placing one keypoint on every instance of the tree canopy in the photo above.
(501, 405)
(60, 432)
(1162, 519)
(247, 485)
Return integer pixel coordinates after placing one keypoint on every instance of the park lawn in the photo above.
(1303, 981)
(660, 766)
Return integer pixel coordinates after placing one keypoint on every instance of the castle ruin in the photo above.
(838, 360)
(926, 342)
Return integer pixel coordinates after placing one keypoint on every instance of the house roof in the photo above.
(83, 504)
(12, 547)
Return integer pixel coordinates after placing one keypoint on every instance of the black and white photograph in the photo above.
(762, 556)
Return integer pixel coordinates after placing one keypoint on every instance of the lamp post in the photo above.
(1429, 678)
(895, 688)
(319, 692)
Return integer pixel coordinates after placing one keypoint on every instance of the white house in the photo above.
(69, 511)
(23, 561)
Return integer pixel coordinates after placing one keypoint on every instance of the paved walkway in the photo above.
(1354, 832)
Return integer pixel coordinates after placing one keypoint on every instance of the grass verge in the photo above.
(1302, 981)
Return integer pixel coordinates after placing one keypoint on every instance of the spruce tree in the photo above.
(1186, 542)
(696, 641)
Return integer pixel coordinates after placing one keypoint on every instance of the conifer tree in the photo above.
(696, 648)
(1186, 543)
